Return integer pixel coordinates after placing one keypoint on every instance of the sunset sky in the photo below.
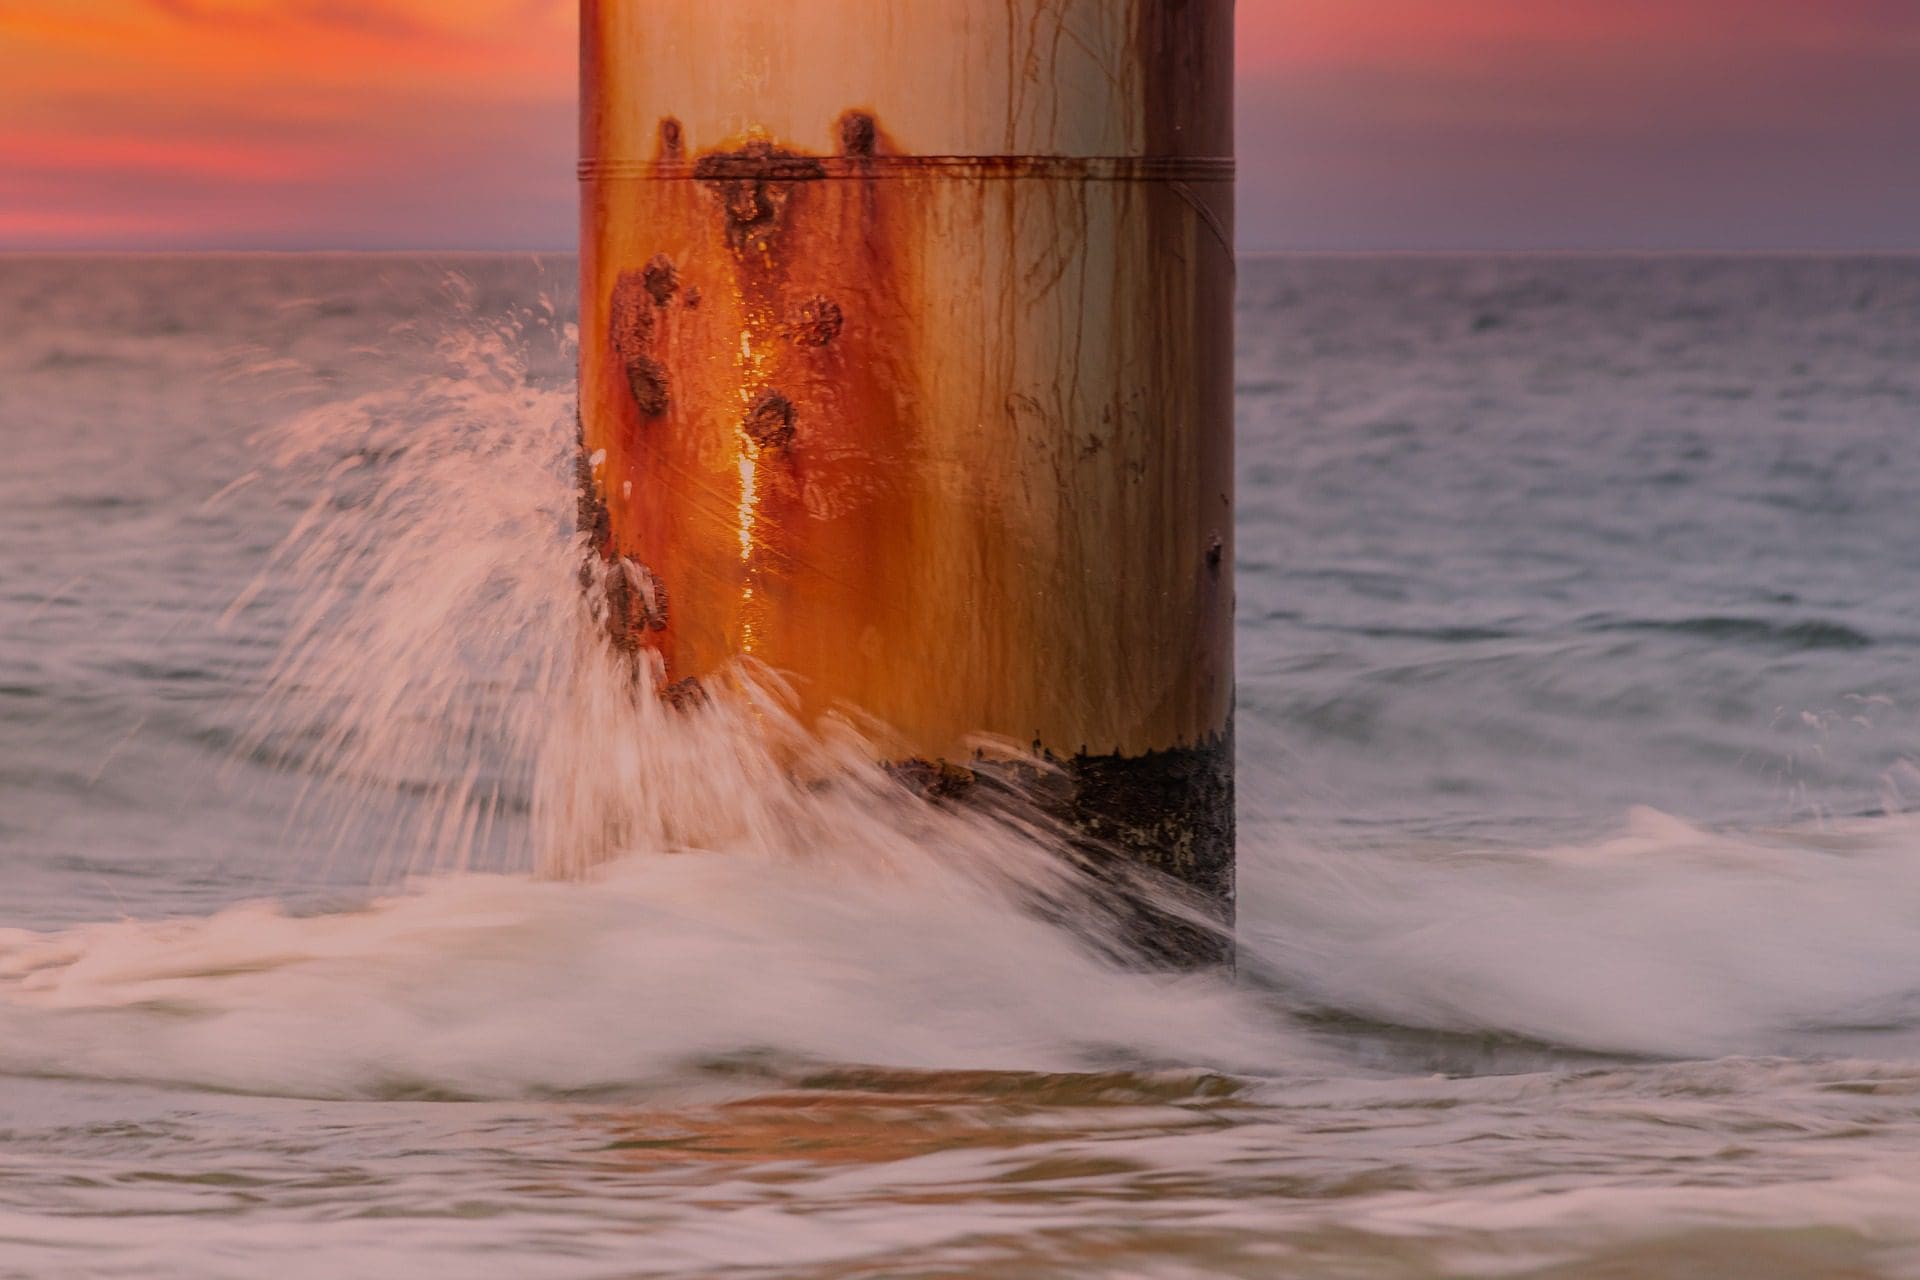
(1364, 124)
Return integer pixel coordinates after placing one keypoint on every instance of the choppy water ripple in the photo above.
(1578, 877)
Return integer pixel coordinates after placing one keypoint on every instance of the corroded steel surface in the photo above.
(907, 364)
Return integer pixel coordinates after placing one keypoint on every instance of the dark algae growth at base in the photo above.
(1169, 813)
(1156, 830)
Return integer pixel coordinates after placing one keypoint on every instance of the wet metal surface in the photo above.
(921, 396)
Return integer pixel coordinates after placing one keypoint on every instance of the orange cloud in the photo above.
(233, 97)
(451, 122)
(206, 158)
(30, 227)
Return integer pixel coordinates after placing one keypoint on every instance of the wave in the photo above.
(613, 896)
(1666, 940)
(653, 973)
(770, 960)
(1810, 634)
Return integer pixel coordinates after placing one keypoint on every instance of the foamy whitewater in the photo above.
(357, 916)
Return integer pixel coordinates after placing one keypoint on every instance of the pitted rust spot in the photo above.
(661, 280)
(769, 423)
(859, 135)
(632, 327)
(816, 322)
(692, 297)
(652, 595)
(590, 512)
(636, 603)
(618, 604)
(759, 161)
(632, 320)
(672, 139)
(749, 204)
(647, 379)
(935, 780)
(753, 185)
(685, 695)
(595, 520)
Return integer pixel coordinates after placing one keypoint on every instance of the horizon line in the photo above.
(1481, 251)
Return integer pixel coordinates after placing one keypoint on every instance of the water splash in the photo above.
(430, 604)
(611, 889)
(446, 676)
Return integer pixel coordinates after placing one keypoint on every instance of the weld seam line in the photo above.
(845, 168)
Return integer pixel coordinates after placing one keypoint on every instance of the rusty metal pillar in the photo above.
(906, 369)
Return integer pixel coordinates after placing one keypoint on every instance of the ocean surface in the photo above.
(348, 927)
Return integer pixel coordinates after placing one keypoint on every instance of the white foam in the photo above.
(696, 886)
(502, 986)
(1666, 940)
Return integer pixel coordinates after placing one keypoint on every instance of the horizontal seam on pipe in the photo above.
(725, 168)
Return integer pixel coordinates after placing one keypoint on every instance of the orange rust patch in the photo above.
(661, 280)
(859, 134)
(769, 423)
(632, 332)
(772, 473)
(817, 322)
(754, 185)
(939, 429)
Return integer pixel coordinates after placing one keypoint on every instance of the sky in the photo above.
(1364, 124)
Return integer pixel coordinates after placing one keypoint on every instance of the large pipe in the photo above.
(906, 369)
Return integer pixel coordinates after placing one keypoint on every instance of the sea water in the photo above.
(355, 921)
